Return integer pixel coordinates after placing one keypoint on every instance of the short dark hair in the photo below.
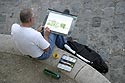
(25, 15)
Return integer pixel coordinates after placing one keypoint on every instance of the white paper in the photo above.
(59, 23)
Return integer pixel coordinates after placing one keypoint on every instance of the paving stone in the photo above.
(104, 52)
(2, 18)
(101, 4)
(2, 7)
(112, 4)
(55, 5)
(119, 21)
(124, 69)
(114, 37)
(2, 30)
(105, 24)
(114, 78)
(83, 39)
(117, 62)
(76, 7)
(123, 79)
(85, 16)
(87, 4)
(120, 7)
(109, 11)
(98, 12)
(9, 0)
(36, 1)
(96, 21)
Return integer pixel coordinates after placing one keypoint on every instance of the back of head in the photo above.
(25, 15)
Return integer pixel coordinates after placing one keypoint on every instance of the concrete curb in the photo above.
(82, 72)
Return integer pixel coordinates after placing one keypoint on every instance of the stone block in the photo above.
(124, 69)
(76, 7)
(109, 11)
(36, 1)
(2, 28)
(119, 21)
(117, 61)
(96, 21)
(2, 18)
(90, 75)
(83, 39)
(120, 7)
(123, 79)
(86, 16)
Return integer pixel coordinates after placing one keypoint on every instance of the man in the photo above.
(30, 41)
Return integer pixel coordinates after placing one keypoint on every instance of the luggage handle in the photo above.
(79, 50)
(80, 57)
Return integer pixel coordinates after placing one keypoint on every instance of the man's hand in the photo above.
(40, 28)
(46, 32)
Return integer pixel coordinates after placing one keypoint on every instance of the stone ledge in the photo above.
(82, 72)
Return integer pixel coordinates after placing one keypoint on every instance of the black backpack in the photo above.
(95, 59)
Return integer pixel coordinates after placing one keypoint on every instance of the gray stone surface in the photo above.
(20, 69)
(87, 72)
(108, 39)
(7, 48)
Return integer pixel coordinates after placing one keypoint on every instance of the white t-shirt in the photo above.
(28, 41)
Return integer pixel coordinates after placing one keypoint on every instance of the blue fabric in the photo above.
(54, 39)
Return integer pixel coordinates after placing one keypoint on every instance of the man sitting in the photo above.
(30, 41)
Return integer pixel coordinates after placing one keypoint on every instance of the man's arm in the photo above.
(47, 39)
(46, 36)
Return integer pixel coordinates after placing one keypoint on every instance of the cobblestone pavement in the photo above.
(100, 25)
